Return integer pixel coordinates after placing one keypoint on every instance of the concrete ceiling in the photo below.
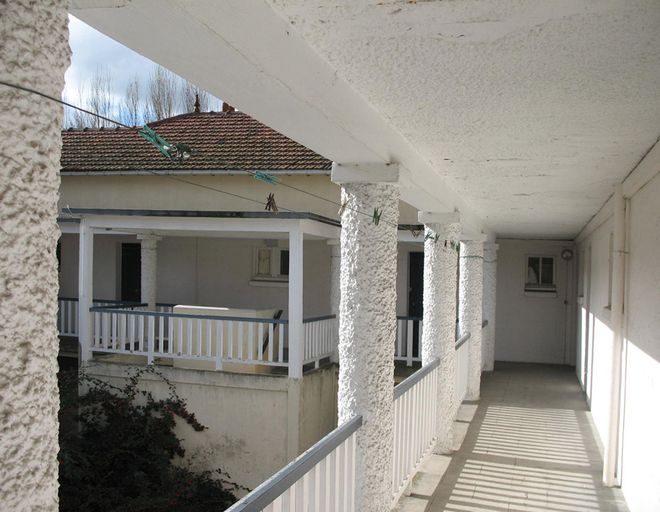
(531, 110)
(519, 114)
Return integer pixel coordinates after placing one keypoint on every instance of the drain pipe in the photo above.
(610, 477)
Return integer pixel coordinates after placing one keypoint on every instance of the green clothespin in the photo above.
(377, 213)
(161, 144)
(266, 178)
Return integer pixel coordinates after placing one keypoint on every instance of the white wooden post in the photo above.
(335, 294)
(296, 333)
(85, 289)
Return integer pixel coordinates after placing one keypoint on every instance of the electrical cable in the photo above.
(342, 206)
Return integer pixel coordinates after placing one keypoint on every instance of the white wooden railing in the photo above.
(321, 338)
(404, 344)
(415, 416)
(193, 337)
(321, 480)
(67, 316)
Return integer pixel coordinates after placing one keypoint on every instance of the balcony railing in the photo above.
(323, 478)
(408, 339)
(211, 340)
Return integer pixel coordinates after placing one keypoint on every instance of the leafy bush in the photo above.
(117, 447)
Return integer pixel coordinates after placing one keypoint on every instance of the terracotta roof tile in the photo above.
(221, 141)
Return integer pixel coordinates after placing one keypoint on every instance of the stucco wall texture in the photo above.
(366, 335)
(470, 303)
(439, 333)
(34, 53)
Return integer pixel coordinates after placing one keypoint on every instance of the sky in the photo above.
(92, 50)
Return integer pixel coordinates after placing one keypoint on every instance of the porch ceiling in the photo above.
(522, 115)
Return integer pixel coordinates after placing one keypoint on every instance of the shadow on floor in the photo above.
(530, 447)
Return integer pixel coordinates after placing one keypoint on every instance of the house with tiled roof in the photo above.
(183, 263)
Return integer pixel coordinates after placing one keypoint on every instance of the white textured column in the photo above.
(34, 53)
(489, 306)
(470, 294)
(335, 284)
(439, 332)
(148, 269)
(367, 332)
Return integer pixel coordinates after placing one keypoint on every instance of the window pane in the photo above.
(284, 263)
(547, 274)
(533, 270)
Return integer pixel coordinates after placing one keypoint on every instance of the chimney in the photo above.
(197, 104)
(226, 107)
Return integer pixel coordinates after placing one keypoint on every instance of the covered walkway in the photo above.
(530, 447)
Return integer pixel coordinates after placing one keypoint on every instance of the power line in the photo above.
(375, 216)
(62, 102)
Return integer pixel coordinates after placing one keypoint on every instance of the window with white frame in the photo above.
(540, 274)
(271, 264)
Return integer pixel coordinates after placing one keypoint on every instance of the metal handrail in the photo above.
(402, 317)
(318, 318)
(276, 485)
(404, 386)
(461, 340)
(196, 317)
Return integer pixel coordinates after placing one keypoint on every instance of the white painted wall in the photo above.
(215, 272)
(256, 423)
(157, 193)
(640, 450)
(533, 328)
(202, 271)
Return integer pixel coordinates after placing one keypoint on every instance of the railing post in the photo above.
(151, 334)
(296, 332)
(85, 288)
(335, 294)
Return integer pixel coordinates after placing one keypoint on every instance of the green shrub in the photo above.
(117, 447)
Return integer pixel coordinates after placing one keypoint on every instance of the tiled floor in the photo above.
(530, 448)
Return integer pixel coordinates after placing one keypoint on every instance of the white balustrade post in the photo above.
(34, 53)
(148, 269)
(470, 303)
(296, 331)
(85, 289)
(439, 334)
(335, 292)
(368, 323)
(489, 305)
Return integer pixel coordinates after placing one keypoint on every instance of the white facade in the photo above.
(640, 362)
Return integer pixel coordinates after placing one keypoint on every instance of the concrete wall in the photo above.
(534, 327)
(640, 444)
(256, 423)
(318, 405)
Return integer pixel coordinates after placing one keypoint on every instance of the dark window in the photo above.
(131, 272)
(284, 263)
